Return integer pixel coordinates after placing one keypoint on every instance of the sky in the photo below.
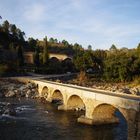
(99, 23)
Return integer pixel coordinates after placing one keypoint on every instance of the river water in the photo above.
(38, 121)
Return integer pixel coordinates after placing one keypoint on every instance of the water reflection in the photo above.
(45, 122)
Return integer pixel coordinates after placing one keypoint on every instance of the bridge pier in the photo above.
(49, 100)
(84, 120)
(98, 120)
(89, 121)
(62, 107)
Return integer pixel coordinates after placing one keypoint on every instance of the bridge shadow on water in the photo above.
(45, 122)
(120, 131)
(95, 132)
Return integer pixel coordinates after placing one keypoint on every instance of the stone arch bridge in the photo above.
(99, 105)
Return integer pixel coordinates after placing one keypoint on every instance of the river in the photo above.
(38, 121)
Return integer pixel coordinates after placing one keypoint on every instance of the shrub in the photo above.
(82, 78)
(3, 69)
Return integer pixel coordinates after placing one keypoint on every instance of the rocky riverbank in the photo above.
(12, 88)
(15, 89)
(124, 88)
(118, 88)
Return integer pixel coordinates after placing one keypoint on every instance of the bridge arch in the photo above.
(67, 59)
(106, 113)
(44, 92)
(57, 97)
(75, 103)
(54, 59)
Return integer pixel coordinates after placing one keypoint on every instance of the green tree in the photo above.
(20, 56)
(78, 61)
(84, 60)
(138, 47)
(113, 48)
(45, 52)
(32, 43)
(55, 40)
(66, 43)
(138, 50)
(20, 35)
(36, 57)
(13, 29)
(67, 65)
(119, 66)
(89, 47)
(54, 66)
(88, 60)
(51, 40)
(12, 48)
(6, 26)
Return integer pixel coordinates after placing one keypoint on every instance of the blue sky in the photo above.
(100, 23)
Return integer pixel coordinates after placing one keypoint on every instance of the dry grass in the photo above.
(82, 78)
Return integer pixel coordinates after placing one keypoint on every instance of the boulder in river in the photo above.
(7, 109)
(10, 111)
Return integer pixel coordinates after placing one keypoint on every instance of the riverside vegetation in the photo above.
(113, 65)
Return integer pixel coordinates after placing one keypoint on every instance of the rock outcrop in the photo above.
(13, 89)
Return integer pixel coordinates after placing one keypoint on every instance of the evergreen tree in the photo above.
(89, 47)
(45, 52)
(20, 56)
(36, 57)
(13, 29)
(6, 26)
(113, 48)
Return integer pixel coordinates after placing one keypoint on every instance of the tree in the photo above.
(66, 44)
(45, 52)
(13, 29)
(77, 48)
(88, 60)
(113, 48)
(12, 47)
(36, 57)
(68, 65)
(20, 56)
(54, 65)
(120, 66)
(55, 40)
(6, 26)
(99, 57)
(20, 35)
(83, 60)
(51, 40)
(89, 47)
(79, 62)
(138, 47)
(32, 43)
